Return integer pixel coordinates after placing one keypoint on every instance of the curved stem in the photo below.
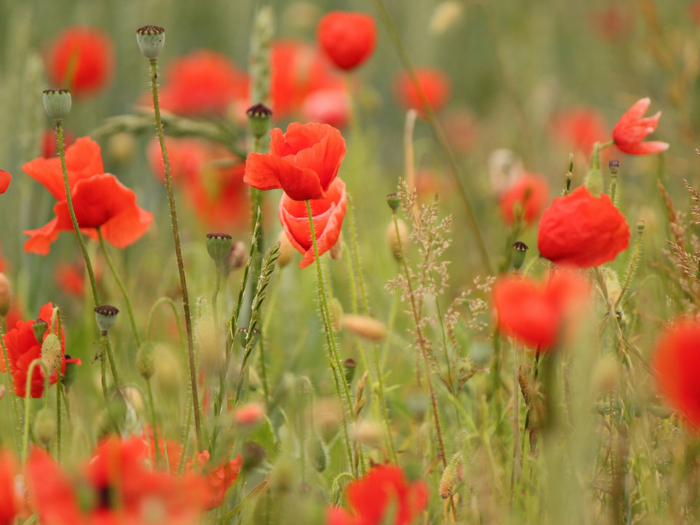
(154, 423)
(178, 255)
(129, 310)
(171, 303)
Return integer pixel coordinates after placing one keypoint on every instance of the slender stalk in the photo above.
(154, 423)
(178, 255)
(129, 309)
(336, 365)
(18, 421)
(69, 201)
(27, 393)
(112, 364)
(215, 296)
(58, 415)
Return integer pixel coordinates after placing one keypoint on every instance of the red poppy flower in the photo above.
(580, 128)
(384, 491)
(348, 39)
(534, 313)
(70, 277)
(304, 161)
(81, 59)
(218, 479)
(435, 84)
(99, 199)
(327, 106)
(120, 489)
(530, 194)
(10, 502)
(23, 348)
(632, 129)
(677, 366)
(298, 70)
(328, 214)
(202, 83)
(582, 230)
(5, 179)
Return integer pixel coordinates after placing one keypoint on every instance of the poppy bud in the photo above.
(236, 258)
(253, 454)
(640, 226)
(448, 481)
(57, 103)
(151, 40)
(364, 326)
(121, 147)
(44, 427)
(106, 316)
(318, 455)
(393, 239)
(145, 360)
(71, 371)
(594, 182)
(219, 246)
(259, 117)
(393, 200)
(336, 310)
(39, 327)
(519, 254)
(5, 295)
(51, 352)
(286, 250)
(349, 367)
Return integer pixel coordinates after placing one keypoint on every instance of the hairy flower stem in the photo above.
(18, 421)
(154, 423)
(69, 201)
(120, 284)
(421, 341)
(110, 355)
(336, 366)
(178, 255)
(215, 296)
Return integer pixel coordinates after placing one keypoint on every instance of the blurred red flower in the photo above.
(10, 501)
(304, 161)
(23, 348)
(347, 38)
(677, 366)
(461, 128)
(328, 214)
(81, 59)
(534, 313)
(217, 479)
(435, 84)
(632, 129)
(5, 179)
(99, 199)
(582, 230)
(327, 106)
(580, 128)
(202, 83)
(70, 277)
(530, 194)
(383, 492)
(613, 23)
(120, 488)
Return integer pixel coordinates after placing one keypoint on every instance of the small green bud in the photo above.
(519, 254)
(318, 455)
(259, 117)
(45, 427)
(70, 373)
(106, 316)
(51, 352)
(151, 40)
(594, 182)
(393, 200)
(219, 246)
(349, 367)
(57, 103)
(40, 326)
(145, 360)
(614, 166)
(640, 226)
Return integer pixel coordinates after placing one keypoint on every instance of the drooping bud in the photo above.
(57, 103)
(146, 360)
(336, 311)
(349, 367)
(318, 455)
(394, 201)
(51, 352)
(364, 326)
(259, 117)
(594, 182)
(39, 327)
(393, 239)
(71, 371)
(519, 254)
(106, 316)
(45, 427)
(5, 295)
(151, 40)
(448, 481)
(236, 258)
(219, 246)
(286, 250)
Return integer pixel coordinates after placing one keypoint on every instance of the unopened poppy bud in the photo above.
(364, 326)
(349, 367)
(151, 40)
(448, 481)
(249, 415)
(71, 371)
(39, 327)
(236, 258)
(519, 254)
(253, 454)
(219, 246)
(51, 352)
(259, 117)
(106, 316)
(5, 295)
(146, 360)
(121, 147)
(640, 226)
(336, 310)
(337, 249)
(394, 201)
(318, 455)
(614, 166)
(57, 103)
(286, 250)
(594, 182)
(45, 427)
(393, 239)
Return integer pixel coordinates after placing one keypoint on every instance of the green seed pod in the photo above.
(45, 426)
(51, 352)
(394, 201)
(151, 40)
(349, 367)
(145, 360)
(70, 373)
(57, 103)
(40, 327)
(519, 254)
(259, 117)
(106, 316)
(318, 455)
(219, 246)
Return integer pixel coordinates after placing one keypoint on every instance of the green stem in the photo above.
(15, 409)
(69, 201)
(215, 296)
(336, 365)
(154, 423)
(58, 415)
(112, 364)
(28, 395)
(178, 255)
(149, 326)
